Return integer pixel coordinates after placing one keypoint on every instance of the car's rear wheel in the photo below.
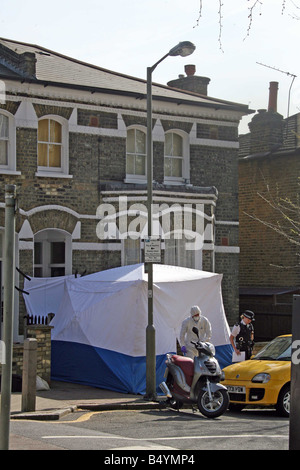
(284, 400)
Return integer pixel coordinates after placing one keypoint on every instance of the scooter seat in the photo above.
(186, 364)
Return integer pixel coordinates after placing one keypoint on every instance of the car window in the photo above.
(286, 355)
(279, 349)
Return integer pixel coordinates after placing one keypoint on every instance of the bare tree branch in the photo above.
(250, 15)
(220, 25)
(200, 14)
(251, 9)
(274, 227)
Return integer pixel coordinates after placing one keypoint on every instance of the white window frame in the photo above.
(46, 237)
(132, 178)
(176, 254)
(185, 160)
(63, 171)
(10, 168)
(131, 251)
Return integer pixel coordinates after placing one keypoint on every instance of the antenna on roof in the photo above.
(286, 73)
(278, 70)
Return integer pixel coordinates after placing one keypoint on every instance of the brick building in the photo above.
(269, 170)
(73, 141)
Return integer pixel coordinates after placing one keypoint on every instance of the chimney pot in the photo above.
(190, 69)
(273, 91)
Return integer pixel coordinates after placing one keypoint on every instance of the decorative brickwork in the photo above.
(97, 119)
(43, 110)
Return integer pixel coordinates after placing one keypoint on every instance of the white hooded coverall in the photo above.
(187, 335)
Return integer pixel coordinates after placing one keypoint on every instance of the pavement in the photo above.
(64, 397)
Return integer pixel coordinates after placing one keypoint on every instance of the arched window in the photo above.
(136, 155)
(52, 253)
(52, 148)
(176, 166)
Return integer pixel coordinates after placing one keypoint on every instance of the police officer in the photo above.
(242, 335)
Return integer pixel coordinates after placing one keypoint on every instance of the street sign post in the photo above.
(152, 250)
(8, 308)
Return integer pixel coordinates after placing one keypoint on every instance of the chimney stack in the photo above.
(266, 126)
(273, 91)
(191, 82)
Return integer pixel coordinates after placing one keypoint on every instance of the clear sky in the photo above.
(127, 36)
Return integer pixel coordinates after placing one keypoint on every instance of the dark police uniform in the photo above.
(244, 334)
(243, 339)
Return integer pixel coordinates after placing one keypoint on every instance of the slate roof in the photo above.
(55, 68)
(290, 140)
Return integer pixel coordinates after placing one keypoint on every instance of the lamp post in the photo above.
(8, 308)
(183, 49)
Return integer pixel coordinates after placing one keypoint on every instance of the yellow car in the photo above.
(264, 379)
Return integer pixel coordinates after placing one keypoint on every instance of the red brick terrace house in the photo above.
(269, 170)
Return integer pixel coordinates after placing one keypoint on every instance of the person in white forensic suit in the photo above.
(187, 335)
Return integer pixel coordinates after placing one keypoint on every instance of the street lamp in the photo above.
(183, 49)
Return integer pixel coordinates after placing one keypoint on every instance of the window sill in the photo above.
(175, 183)
(135, 180)
(52, 174)
(4, 171)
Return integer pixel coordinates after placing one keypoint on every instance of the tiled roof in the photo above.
(290, 139)
(53, 67)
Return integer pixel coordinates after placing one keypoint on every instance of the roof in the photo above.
(53, 68)
(288, 146)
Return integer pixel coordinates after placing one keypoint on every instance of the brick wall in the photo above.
(266, 258)
(42, 333)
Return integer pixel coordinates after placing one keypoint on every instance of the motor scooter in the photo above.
(196, 381)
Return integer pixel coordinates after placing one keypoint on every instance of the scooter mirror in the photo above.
(196, 331)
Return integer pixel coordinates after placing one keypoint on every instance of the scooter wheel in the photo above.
(215, 407)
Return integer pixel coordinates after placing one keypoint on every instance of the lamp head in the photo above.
(183, 49)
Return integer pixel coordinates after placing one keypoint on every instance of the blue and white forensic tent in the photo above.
(99, 334)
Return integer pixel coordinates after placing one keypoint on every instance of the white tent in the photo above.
(100, 324)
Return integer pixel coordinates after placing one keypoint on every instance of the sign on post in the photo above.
(152, 250)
